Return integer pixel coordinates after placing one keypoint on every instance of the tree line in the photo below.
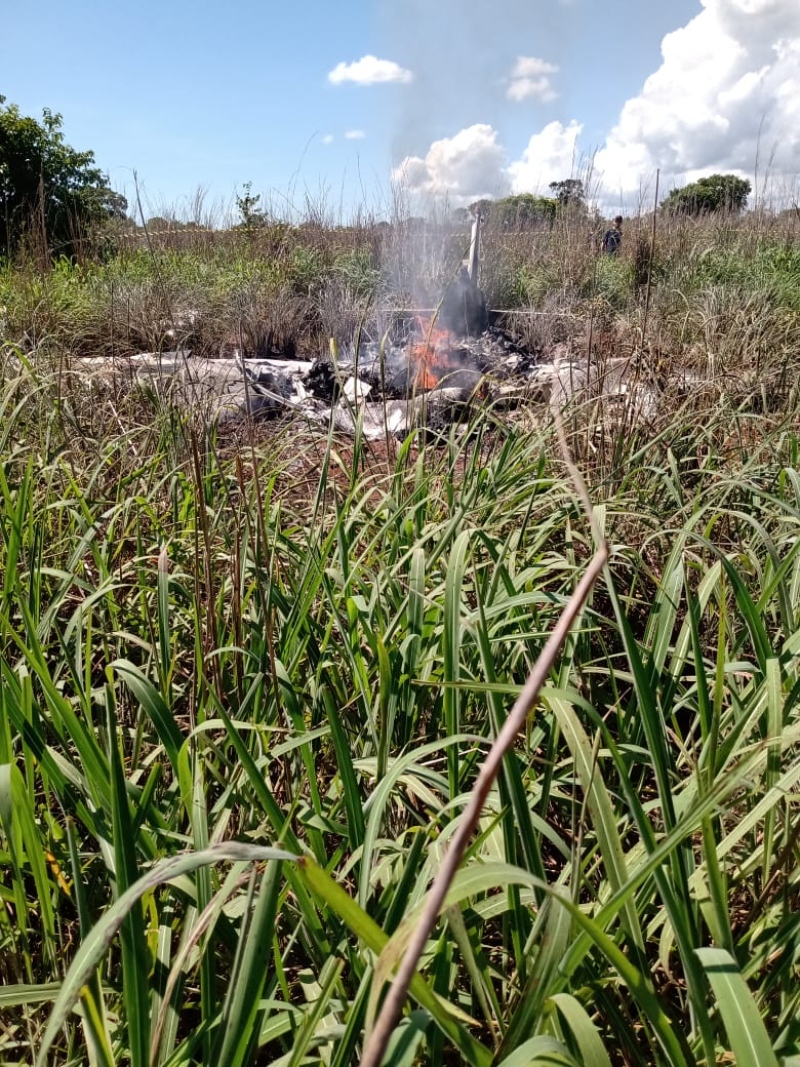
(53, 196)
(717, 192)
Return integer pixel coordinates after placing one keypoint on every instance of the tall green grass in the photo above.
(720, 292)
(246, 688)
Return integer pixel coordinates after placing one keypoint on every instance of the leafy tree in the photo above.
(251, 215)
(524, 209)
(157, 224)
(569, 192)
(717, 192)
(46, 186)
(481, 207)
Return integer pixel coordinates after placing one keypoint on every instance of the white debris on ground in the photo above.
(375, 387)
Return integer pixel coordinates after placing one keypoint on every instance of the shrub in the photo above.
(49, 192)
(718, 192)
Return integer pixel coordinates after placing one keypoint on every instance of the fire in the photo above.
(431, 353)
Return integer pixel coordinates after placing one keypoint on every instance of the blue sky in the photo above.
(213, 96)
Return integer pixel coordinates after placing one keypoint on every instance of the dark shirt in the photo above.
(612, 239)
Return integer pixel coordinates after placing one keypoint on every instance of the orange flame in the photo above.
(429, 354)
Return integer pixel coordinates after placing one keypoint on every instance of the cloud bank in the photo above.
(725, 98)
(468, 166)
(550, 156)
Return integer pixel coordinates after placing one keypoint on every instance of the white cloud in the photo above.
(530, 77)
(726, 98)
(327, 138)
(551, 156)
(465, 167)
(473, 164)
(355, 135)
(369, 70)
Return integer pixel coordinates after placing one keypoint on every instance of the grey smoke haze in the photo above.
(461, 53)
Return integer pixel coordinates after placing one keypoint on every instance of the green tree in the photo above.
(717, 192)
(569, 192)
(48, 188)
(524, 209)
(251, 215)
(157, 224)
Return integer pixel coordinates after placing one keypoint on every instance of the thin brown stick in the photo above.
(392, 1006)
(650, 261)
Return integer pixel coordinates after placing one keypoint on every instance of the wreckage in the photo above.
(428, 371)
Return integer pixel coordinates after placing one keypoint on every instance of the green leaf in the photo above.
(584, 1031)
(350, 790)
(451, 649)
(15, 996)
(19, 823)
(744, 1025)
(135, 957)
(97, 943)
(603, 819)
(541, 1051)
(368, 931)
(153, 704)
(240, 1023)
(553, 930)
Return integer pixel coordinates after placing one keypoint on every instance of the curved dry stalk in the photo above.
(393, 1004)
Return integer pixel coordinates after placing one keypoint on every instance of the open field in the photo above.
(249, 674)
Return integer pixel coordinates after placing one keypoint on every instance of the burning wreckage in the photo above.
(427, 373)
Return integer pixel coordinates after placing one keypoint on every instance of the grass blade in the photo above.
(95, 945)
(748, 1038)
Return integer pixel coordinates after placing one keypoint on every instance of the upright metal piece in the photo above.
(473, 262)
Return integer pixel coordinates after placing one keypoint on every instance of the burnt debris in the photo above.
(463, 308)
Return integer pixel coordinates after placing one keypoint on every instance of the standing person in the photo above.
(612, 238)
